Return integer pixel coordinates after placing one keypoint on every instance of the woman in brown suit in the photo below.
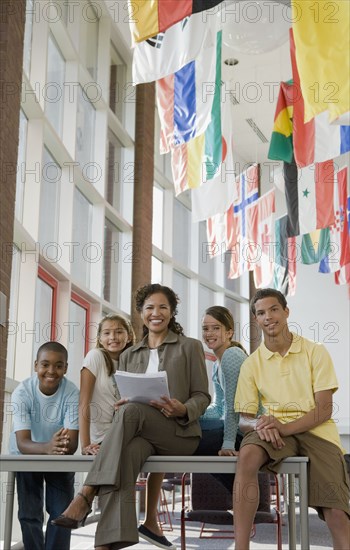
(140, 430)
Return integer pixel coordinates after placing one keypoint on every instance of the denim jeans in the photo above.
(210, 445)
(59, 491)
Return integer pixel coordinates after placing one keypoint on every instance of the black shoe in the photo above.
(69, 523)
(161, 542)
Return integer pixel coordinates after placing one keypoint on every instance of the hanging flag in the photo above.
(342, 277)
(216, 195)
(213, 134)
(321, 32)
(204, 152)
(185, 101)
(216, 233)
(284, 276)
(260, 233)
(281, 143)
(187, 164)
(309, 197)
(315, 246)
(168, 52)
(339, 254)
(150, 17)
(236, 229)
(316, 140)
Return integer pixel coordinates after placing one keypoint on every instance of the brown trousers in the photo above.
(137, 432)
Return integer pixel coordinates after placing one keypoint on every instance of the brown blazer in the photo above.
(183, 360)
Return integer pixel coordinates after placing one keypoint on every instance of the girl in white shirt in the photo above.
(98, 390)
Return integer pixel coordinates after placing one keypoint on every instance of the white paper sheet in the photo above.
(142, 388)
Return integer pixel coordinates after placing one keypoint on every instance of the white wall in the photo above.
(320, 311)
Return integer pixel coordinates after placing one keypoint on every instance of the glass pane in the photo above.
(111, 263)
(181, 233)
(206, 299)
(157, 270)
(114, 165)
(89, 27)
(81, 237)
(182, 288)
(49, 199)
(20, 180)
(230, 284)
(206, 263)
(42, 315)
(85, 131)
(158, 208)
(28, 30)
(234, 308)
(116, 86)
(54, 90)
(13, 332)
(76, 341)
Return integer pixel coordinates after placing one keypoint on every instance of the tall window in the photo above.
(181, 233)
(158, 210)
(112, 249)
(28, 31)
(54, 89)
(89, 28)
(114, 169)
(157, 270)
(85, 130)
(205, 261)
(45, 328)
(78, 336)
(116, 87)
(13, 310)
(22, 145)
(81, 237)
(206, 299)
(230, 284)
(49, 199)
(181, 285)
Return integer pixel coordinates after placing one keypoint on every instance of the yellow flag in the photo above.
(321, 31)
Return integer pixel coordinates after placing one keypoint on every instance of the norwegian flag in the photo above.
(339, 255)
(237, 235)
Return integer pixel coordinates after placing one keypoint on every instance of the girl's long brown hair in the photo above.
(125, 324)
(224, 316)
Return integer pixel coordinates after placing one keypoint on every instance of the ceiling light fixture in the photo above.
(231, 61)
(255, 27)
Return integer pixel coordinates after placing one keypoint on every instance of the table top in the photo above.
(157, 463)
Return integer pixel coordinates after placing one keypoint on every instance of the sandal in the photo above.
(70, 523)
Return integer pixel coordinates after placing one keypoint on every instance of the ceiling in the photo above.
(253, 84)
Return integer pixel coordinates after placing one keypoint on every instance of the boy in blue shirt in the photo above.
(45, 421)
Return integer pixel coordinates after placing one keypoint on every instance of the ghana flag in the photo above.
(147, 18)
(281, 145)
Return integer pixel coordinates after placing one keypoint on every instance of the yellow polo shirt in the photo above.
(287, 384)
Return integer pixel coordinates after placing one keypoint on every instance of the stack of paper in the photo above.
(142, 388)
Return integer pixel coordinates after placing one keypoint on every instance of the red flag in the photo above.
(260, 232)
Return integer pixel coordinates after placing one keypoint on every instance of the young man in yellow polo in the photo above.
(296, 381)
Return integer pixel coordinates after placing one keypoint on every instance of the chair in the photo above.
(171, 482)
(211, 503)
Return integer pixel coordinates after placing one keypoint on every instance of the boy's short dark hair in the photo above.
(53, 346)
(267, 293)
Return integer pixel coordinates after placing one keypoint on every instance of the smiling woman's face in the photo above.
(156, 313)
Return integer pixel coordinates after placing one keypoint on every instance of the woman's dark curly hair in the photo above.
(146, 291)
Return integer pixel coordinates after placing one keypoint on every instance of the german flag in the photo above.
(147, 18)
